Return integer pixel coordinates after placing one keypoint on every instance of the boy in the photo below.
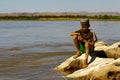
(84, 40)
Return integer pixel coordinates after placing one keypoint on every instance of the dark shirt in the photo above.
(88, 35)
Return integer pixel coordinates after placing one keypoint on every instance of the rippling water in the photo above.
(29, 50)
(51, 36)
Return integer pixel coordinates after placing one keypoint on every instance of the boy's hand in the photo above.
(80, 38)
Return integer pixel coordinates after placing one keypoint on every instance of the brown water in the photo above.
(29, 66)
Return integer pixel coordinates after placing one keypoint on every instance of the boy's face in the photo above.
(85, 27)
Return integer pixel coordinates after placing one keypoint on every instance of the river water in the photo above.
(29, 50)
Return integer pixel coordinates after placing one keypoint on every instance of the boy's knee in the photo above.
(87, 44)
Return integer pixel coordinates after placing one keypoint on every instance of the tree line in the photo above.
(47, 17)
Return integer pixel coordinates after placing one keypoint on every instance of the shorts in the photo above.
(82, 48)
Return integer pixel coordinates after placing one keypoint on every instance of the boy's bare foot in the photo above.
(78, 53)
(85, 64)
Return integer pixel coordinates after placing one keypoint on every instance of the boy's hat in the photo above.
(85, 22)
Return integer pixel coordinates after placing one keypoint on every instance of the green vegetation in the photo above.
(61, 17)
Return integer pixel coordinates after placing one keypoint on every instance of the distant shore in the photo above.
(59, 19)
(58, 16)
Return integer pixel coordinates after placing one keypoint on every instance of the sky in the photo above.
(9, 6)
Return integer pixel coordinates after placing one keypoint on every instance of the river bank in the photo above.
(60, 19)
(58, 16)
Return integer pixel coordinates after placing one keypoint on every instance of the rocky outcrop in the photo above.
(99, 69)
(112, 51)
(104, 64)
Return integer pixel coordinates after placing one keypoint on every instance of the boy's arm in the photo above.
(94, 37)
(91, 43)
(74, 33)
(93, 40)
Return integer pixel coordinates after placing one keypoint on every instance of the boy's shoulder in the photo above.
(80, 30)
(92, 31)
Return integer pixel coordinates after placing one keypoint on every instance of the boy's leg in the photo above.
(85, 63)
(78, 53)
(76, 44)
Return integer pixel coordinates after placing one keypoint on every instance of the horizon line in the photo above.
(64, 12)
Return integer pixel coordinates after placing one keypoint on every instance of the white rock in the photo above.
(99, 68)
